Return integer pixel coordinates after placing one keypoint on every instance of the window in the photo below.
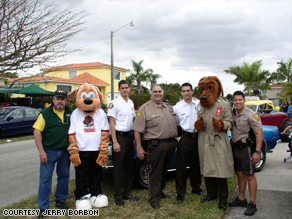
(72, 74)
(17, 114)
(66, 88)
(117, 75)
(31, 112)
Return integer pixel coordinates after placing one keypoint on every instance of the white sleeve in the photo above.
(103, 121)
(176, 113)
(134, 114)
(72, 129)
(113, 111)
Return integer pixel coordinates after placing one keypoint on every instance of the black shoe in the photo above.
(180, 197)
(61, 205)
(120, 202)
(238, 203)
(251, 209)
(199, 192)
(155, 205)
(208, 199)
(222, 207)
(41, 214)
(165, 196)
(129, 197)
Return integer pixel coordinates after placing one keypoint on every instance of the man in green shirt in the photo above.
(51, 137)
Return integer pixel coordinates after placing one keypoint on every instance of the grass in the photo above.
(170, 208)
(15, 138)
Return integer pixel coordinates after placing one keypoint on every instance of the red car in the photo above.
(270, 116)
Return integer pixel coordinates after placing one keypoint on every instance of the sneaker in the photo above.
(238, 203)
(41, 214)
(61, 205)
(251, 209)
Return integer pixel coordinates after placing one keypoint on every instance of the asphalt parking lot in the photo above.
(274, 196)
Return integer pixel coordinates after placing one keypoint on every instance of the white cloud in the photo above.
(185, 40)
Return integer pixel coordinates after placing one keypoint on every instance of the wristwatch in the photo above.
(258, 152)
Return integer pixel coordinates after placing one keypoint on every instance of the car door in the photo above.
(31, 116)
(13, 123)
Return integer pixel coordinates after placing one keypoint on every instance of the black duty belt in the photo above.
(190, 134)
(129, 133)
(241, 145)
(157, 141)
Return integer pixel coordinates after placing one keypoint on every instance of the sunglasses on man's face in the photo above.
(157, 91)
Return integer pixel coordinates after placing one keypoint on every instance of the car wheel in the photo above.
(260, 165)
(141, 169)
(286, 128)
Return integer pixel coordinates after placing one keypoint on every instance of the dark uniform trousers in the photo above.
(123, 166)
(159, 158)
(217, 184)
(187, 151)
(88, 175)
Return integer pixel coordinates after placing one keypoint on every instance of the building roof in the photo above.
(276, 86)
(89, 78)
(82, 66)
(80, 79)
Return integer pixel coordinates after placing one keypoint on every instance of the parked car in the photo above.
(270, 116)
(141, 167)
(17, 120)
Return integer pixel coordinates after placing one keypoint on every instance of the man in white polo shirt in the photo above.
(187, 149)
(121, 114)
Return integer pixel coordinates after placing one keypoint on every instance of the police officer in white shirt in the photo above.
(187, 149)
(121, 114)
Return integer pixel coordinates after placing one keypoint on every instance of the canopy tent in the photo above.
(29, 90)
(7, 90)
(33, 90)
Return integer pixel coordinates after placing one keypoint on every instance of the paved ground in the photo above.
(19, 171)
(274, 196)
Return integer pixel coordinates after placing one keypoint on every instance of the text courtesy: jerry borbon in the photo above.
(50, 212)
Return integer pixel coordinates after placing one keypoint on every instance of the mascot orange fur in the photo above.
(215, 152)
(89, 141)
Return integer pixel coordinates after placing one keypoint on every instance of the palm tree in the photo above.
(287, 91)
(283, 72)
(249, 75)
(153, 79)
(138, 74)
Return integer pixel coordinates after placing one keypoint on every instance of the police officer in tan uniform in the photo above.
(121, 116)
(158, 124)
(243, 120)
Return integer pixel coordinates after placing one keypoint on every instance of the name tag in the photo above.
(218, 111)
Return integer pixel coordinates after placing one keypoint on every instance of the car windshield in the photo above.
(252, 107)
(4, 112)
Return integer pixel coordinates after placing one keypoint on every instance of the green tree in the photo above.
(152, 79)
(138, 74)
(196, 93)
(283, 72)
(249, 75)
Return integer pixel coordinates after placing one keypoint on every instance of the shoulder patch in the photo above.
(138, 114)
(256, 116)
(111, 105)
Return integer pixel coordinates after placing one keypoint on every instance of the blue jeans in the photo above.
(61, 157)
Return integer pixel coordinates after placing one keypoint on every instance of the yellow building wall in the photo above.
(101, 73)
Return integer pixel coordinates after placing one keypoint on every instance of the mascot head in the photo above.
(88, 98)
(210, 89)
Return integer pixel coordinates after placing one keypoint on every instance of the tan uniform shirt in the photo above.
(155, 122)
(242, 123)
